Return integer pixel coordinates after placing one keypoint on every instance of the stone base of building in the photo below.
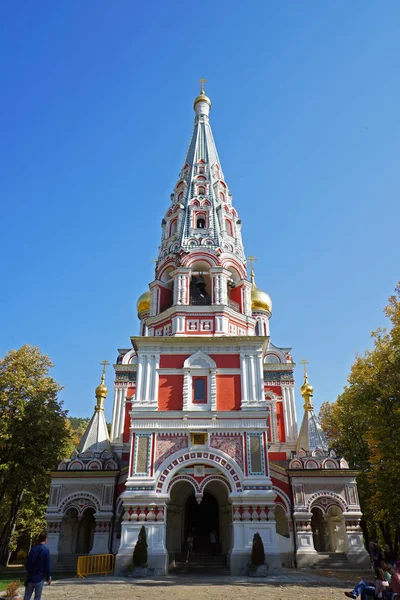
(157, 564)
(239, 563)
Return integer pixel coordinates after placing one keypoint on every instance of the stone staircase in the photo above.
(331, 560)
(201, 563)
(66, 563)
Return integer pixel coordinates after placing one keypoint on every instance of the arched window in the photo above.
(200, 224)
(228, 227)
(201, 190)
(173, 226)
(200, 390)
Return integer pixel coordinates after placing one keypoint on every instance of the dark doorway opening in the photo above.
(201, 519)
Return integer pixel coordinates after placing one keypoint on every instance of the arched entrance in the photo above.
(320, 530)
(68, 532)
(84, 540)
(201, 518)
(185, 513)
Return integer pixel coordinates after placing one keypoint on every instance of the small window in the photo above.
(228, 227)
(173, 227)
(201, 223)
(199, 390)
(201, 190)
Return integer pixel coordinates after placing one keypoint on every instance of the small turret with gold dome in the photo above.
(259, 300)
(143, 303)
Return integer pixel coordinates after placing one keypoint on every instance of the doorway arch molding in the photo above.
(214, 459)
(335, 499)
(81, 501)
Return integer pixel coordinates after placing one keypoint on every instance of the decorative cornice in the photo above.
(196, 424)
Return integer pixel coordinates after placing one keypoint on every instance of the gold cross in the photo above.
(251, 259)
(304, 362)
(202, 81)
(104, 363)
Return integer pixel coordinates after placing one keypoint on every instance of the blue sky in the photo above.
(96, 115)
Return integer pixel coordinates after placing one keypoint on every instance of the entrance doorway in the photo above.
(201, 519)
(320, 531)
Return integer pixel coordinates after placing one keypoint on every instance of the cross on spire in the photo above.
(104, 363)
(202, 81)
(304, 362)
(251, 259)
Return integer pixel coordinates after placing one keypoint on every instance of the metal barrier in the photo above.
(95, 564)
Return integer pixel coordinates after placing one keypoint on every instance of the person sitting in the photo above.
(394, 587)
(374, 590)
(385, 568)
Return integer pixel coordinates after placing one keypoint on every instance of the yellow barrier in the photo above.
(95, 564)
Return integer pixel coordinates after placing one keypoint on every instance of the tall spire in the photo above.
(311, 435)
(202, 213)
(96, 438)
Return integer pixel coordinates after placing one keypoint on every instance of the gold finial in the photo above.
(304, 362)
(105, 364)
(252, 259)
(306, 389)
(202, 81)
(102, 390)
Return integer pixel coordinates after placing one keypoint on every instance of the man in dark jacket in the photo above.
(38, 567)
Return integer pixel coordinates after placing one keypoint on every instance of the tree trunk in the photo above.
(9, 529)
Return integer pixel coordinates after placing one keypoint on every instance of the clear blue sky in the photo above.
(96, 115)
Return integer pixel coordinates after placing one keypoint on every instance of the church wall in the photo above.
(281, 422)
(127, 423)
(170, 394)
(228, 392)
(172, 361)
(226, 361)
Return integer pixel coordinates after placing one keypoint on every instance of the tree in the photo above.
(140, 550)
(257, 551)
(364, 424)
(33, 438)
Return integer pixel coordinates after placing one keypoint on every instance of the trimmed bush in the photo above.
(257, 551)
(140, 551)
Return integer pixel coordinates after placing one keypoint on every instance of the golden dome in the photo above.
(307, 391)
(143, 303)
(259, 300)
(101, 393)
(202, 98)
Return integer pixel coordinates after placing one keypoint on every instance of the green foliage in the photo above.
(257, 551)
(33, 439)
(76, 427)
(364, 426)
(140, 551)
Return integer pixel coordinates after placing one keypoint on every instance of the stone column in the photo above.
(306, 554)
(153, 516)
(53, 539)
(249, 516)
(356, 553)
(101, 538)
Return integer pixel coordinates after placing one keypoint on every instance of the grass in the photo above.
(4, 583)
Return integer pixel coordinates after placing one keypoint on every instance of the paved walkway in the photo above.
(291, 584)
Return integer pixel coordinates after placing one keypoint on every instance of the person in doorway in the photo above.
(38, 569)
(212, 538)
(370, 590)
(189, 547)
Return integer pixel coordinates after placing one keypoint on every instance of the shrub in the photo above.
(140, 551)
(12, 589)
(257, 551)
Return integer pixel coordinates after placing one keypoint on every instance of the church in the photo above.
(204, 434)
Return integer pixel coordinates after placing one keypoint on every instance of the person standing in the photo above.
(212, 538)
(38, 568)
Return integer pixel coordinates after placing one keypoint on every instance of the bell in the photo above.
(200, 285)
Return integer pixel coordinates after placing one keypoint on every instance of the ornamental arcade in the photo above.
(204, 435)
